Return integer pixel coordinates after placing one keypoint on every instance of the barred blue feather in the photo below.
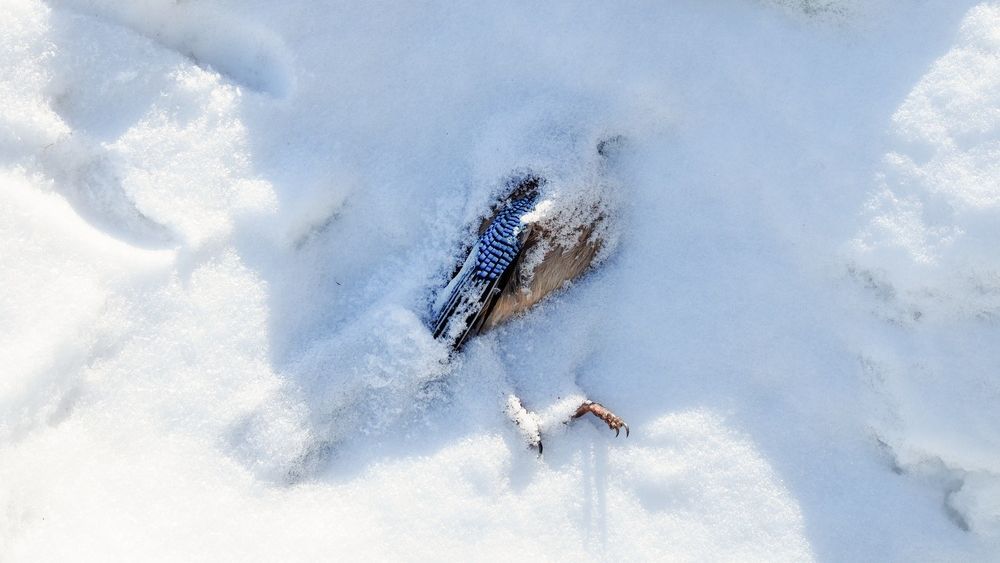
(501, 242)
(479, 282)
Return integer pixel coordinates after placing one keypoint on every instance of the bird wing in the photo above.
(463, 305)
(495, 281)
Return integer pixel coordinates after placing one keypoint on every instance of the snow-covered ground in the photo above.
(222, 221)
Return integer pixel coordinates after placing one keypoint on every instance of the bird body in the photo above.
(515, 263)
(530, 246)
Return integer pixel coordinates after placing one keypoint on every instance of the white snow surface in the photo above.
(222, 222)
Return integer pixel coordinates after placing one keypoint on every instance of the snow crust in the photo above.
(222, 224)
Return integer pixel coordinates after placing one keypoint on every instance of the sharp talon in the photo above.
(613, 421)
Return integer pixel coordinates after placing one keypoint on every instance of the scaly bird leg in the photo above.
(613, 421)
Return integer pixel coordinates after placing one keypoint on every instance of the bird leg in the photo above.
(613, 421)
(526, 421)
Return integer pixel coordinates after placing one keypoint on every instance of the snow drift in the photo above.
(222, 223)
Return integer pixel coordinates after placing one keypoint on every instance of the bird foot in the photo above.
(526, 421)
(613, 421)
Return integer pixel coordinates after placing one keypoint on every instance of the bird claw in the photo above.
(538, 444)
(613, 421)
(526, 421)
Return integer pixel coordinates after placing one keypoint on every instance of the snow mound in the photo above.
(929, 254)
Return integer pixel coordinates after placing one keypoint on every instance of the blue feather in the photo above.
(500, 243)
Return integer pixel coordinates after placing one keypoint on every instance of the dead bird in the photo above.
(525, 250)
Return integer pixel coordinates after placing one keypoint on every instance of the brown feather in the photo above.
(530, 280)
(558, 266)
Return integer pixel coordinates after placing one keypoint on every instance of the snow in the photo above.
(222, 224)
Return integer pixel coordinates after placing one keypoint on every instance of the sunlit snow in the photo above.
(222, 224)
